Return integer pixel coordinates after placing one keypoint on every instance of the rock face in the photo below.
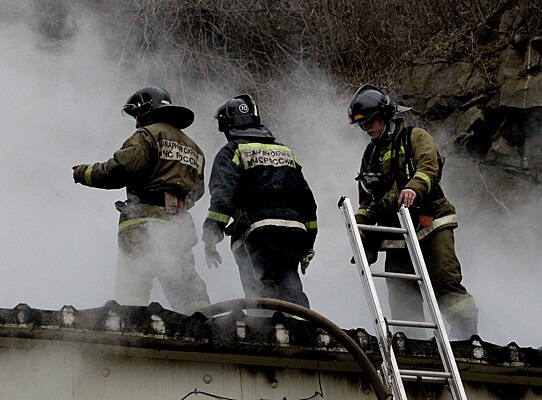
(498, 118)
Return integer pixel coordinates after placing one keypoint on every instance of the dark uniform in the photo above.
(259, 183)
(408, 159)
(162, 170)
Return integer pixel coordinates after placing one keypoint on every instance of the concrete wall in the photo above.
(50, 370)
(33, 369)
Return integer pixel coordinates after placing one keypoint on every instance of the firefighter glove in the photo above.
(212, 256)
(306, 260)
(370, 253)
(79, 173)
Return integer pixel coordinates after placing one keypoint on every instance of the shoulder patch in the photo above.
(173, 151)
(269, 155)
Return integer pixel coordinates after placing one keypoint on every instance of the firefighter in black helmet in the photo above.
(162, 170)
(402, 165)
(259, 184)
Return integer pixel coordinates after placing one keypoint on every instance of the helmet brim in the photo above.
(401, 109)
(398, 111)
(178, 116)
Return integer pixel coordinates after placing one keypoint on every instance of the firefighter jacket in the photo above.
(404, 158)
(155, 160)
(258, 182)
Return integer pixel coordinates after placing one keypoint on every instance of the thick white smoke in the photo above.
(60, 107)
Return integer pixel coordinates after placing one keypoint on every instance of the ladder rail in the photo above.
(390, 368)
(429, 298)
(389, 364)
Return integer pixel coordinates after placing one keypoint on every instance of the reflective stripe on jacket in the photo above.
(263, 223)
(261, 180)
(391, 161)
(438, 223)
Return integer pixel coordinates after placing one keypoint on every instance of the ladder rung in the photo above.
(413, 324)
(385, 229)
(424, 374)
(410, 378)
(397, 275)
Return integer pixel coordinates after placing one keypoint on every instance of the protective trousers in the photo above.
(162, 250)
(455, 303)
(268, 264)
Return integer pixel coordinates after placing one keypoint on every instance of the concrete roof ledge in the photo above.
(68, 315)
(282, 335)
(156, 328)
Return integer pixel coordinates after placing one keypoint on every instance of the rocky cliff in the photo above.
(498, 120)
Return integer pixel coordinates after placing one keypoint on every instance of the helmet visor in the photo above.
(133, 110)
(363, 121)
(128, 111)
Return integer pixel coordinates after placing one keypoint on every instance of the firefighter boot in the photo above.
(371, 251)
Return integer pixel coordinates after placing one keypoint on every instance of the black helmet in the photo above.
(369, 102)
(153, 104)
(239, 112)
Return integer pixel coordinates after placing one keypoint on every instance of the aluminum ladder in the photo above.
(391, 373)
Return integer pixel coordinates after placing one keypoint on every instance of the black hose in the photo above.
(280, 305)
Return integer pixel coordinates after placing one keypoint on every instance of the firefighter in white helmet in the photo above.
(402, 165)
(162, 170)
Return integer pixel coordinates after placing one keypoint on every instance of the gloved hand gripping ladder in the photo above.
(394, 376)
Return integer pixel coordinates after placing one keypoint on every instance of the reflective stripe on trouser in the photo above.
(455, 303)
(268, 264)
(164, 251)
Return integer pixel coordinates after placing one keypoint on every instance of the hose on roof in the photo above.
(280, 305)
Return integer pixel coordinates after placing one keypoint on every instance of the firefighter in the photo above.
(162, 170)
(402, 165)
(259, 184)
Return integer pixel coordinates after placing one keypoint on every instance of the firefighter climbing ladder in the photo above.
(390, 370)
